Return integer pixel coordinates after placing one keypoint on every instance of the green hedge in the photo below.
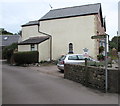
(8, 51)
(26, 57)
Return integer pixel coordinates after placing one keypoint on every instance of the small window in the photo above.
(32, 47)
(70, 48)
(5, 38)
(73, 57)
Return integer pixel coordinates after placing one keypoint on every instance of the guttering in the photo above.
(50, 37)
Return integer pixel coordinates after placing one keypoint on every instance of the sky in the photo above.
(14, 13)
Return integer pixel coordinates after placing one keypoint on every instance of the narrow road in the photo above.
(22, 85)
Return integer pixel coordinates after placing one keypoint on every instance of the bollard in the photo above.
(86, 62)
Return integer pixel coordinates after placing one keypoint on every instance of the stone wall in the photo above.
(113, 80)
(93, 77)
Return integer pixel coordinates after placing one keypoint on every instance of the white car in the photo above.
(72, 59)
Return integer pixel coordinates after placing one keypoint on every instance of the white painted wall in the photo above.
(76, 30)
(29, 31)
(43, 48)
(44, 51)
(24, 48)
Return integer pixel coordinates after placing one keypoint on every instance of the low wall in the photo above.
(93, 77)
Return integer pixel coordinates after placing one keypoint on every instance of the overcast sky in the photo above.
(14, 13)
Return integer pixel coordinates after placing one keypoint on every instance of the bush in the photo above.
(8, 51)
(100, 57)
(101, 49)
(26, 57)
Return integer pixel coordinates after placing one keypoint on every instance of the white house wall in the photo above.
(44, 51)
(29, 31)
(26, 48)
(76, 30)
(43, 48)
(23, 48)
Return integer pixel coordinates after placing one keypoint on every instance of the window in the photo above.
(5, 38)
(73, 57)
(70, 48)
(62, 58)
(81, 57)
(32, 47)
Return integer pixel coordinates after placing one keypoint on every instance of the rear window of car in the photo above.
(62, 58)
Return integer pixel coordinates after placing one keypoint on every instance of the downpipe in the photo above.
(50, 37)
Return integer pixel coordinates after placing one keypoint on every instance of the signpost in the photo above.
(106, 62)
(85, 52)
(98, 37)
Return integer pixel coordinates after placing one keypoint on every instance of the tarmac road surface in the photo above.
(23, 85)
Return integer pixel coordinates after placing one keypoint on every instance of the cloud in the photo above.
(15, 14)
(18, 12)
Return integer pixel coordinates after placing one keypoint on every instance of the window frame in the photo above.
(70, 48)
(32, 47)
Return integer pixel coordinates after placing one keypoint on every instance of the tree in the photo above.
(115, 43)
(101, 49)
(100, 56)
(18, 33)
(4, 32)
(8, 51)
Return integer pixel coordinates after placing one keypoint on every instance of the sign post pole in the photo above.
(106, 60)
(106, 64)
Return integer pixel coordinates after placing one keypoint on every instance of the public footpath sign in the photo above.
(98, 37)
(106, 61)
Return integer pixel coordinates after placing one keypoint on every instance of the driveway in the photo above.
(45, 85)
(48, 69)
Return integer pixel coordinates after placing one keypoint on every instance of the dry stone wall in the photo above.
(93, 77)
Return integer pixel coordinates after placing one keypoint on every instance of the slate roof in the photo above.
(72, 11)
(31, 23)
(6, 40)
(34, 40)
(68, 12)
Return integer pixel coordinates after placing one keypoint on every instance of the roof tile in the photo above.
(72, 11)
(34, 40)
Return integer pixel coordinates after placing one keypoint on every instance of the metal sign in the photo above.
(85, 50)
(98, 37)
